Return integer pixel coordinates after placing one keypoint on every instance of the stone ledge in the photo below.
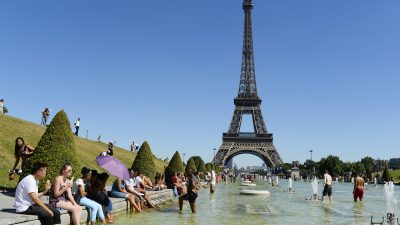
(119, 205)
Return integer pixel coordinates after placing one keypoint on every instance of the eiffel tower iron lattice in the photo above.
(259, 142)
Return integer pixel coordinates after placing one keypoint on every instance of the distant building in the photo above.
(295, 171)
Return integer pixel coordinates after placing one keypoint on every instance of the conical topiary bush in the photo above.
(209, 167)
(202, 167)
(144, 161)
(191, 165)
(55, 148)
(175, 165)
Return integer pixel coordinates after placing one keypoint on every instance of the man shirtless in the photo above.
(358, 191)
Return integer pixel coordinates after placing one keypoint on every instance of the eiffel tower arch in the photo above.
(259, 142)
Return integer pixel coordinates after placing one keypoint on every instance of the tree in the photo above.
(174, 166)
(56, 147)
(386, 175)
(144, 161)
(191, 165)
(368, 165)
(358, 167)
(197, 160)
(331, 163)
(309, 167)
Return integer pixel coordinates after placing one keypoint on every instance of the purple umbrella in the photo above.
(113, 166)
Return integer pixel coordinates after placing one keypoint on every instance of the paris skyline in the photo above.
(327, 72)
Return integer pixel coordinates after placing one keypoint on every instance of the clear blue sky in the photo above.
(328, 72)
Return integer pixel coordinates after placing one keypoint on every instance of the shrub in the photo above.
(175, 165)
(55, 148)
(191, 165)
(202, 167)
(209, 167)
(144, 161)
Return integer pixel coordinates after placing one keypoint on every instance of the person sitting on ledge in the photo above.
(79, 193)
(27, 197)
(96, 190)
(138, 186)
(159, 182)
(118, 190)
(62, 195)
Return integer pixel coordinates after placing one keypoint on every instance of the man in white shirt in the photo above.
(77, 124)
(27, 197)
(327, 186)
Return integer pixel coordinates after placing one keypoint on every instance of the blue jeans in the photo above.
(176, 191)
(94, 207)
(118, 194)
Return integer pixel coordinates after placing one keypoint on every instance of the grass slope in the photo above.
(87, 150)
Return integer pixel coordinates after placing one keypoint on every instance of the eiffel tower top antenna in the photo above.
(247, 86)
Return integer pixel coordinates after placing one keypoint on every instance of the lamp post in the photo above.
(87, 134)
(311, 151)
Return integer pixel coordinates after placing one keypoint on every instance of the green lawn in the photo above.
(87, 150)
(396, 175)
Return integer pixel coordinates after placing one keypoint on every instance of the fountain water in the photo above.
(269, 179)
(391, 204)
(390, 199)
(277, 181)
(314, 185)
(375, 181)
(290, 181)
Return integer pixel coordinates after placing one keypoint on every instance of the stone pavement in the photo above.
(9, 216)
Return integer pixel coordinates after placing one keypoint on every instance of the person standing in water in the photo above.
(358, 191)
(213, 181)
(327, 186)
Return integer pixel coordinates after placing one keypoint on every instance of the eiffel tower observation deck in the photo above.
(259, 142)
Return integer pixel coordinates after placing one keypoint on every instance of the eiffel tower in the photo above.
(259, 142)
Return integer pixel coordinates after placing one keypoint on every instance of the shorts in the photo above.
(327, 190)
(191, 197)
(358, 193)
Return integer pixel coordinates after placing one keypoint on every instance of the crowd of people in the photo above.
(89, 190)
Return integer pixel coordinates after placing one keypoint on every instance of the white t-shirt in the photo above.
(213, 179)
(131, 182)
(138, 181)
(75, 187)
(22, 198)
(77, 123)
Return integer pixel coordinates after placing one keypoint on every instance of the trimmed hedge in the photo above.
(144, 161)
(175, 165)
(202, 167)
(209, 167)
(191, 165)
(55, 148)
